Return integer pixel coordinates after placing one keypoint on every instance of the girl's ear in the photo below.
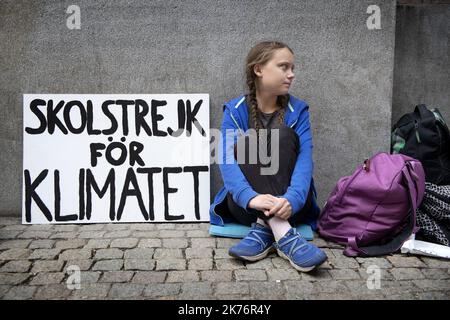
(257, 70)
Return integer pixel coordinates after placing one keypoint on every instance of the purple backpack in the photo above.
(373, 211)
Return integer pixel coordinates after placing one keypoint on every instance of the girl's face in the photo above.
(277, 75)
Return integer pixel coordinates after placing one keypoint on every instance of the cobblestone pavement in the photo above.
(181, 261)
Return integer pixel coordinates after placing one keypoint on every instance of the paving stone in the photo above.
(432, 285)
(96, 290)
(150, 243)
(190, 226)
(400, 261)
(145, 277)
(174, 243)
(407, 274)
(432, 295)
(299, 290)
(229, 264)
(162, 289)
(44, 278)
(44, 254)
(232, 297)
(344, 274)
(117, 226)
(319, 242)
(435, 273)
(5, 235)
(139, 253)
(62, 228)
(92, 234)
(219, 254)
(146, 234)
(47, 266)
(172, 234)
(261, 264)
(196, 291)
(436, 263)
(13, 278)
(14, 244)
(171, 264)
(381, 263)
(398, 287)
(125, 243)
(283, 274)
(143, 227)
(316, 275)
(339, 261)
(197, 234)
(97, 244)
(281, 263)
(363, 288)
(126, 290)
(108, 265)
(117, 276)
(70, 244)
(52, 291)
(182, 276)
(163, 253)
(20, 293)
(83, 264)
(384, 274)
(34, 235)
(216, 275)
(92, 227)
(226, 243)
(41, 244)
(250, 275)
(118, 234)
(16, 266)
(331, 286)
(76, 254)
(200, 264)
(15, 254)
(192, 253)
(240, 288)
(203, 243)
(139, 264)
(267, 290)
(165, 226)
(89, 276)
(64, 235)
(105, 254)
(4, 289)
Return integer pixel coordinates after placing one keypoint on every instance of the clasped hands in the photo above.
(271, 206)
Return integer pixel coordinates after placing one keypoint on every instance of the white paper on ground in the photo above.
(414, 246)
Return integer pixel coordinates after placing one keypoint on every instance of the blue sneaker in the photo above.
(257, 244)
(302, 255)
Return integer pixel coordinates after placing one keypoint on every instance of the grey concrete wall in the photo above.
(344, 71)
(421, 69)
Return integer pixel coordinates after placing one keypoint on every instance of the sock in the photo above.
(262, 222)
(279, 227)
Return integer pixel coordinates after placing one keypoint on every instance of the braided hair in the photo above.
(261, 53)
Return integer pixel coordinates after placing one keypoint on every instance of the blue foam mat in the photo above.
(235, 230)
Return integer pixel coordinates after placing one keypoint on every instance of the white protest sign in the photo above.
(91, 158)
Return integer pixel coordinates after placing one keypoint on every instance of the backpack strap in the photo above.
(395, 244)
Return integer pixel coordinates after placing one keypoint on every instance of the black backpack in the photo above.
(424, 135)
